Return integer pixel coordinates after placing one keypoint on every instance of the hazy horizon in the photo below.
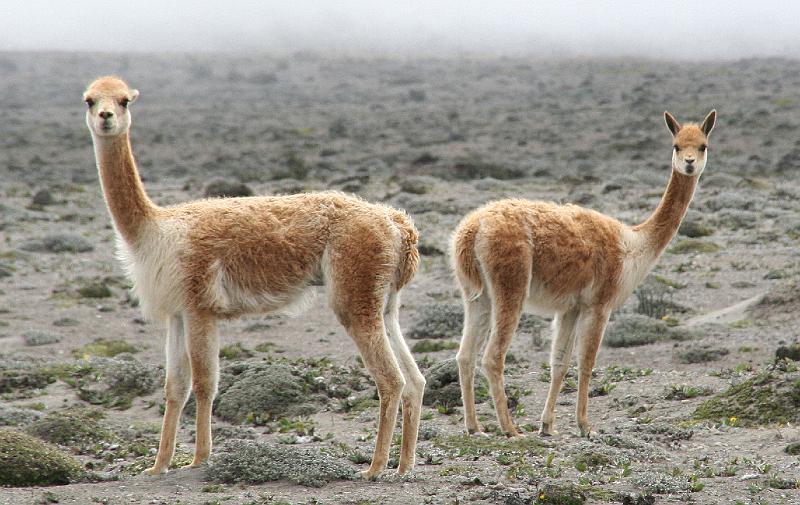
(670, 29)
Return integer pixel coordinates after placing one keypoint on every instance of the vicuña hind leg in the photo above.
(506, 309)
(411, 397)
(560, 354)
(590, 328)
(201, 330)
(372, 342)
(477, 320)
(176, 391)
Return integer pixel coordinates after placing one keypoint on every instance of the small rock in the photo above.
(443, 387)
(694, 229)
(793, 449)
(43, 198)
(417, 95)
(416, 185)
(95, 290)
(220, 188)
(66, 321)
(791, 352)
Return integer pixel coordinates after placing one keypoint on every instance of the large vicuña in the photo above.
(561, 260)
(196, 263)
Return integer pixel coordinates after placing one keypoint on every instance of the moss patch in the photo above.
(22, 383)
(440, 320)
(700, 354)
(257, 462)
(793, 449)
(235, 351)
(14, 416)
(74, 427)
(769, 397)
(632, 329)
(434, 345)
(104, 348)
(261, 392)
(113, 382)
(692, 245)
(27, 461)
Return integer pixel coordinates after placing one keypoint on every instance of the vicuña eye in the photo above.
(124, 102)
(703, 148)
(89, 102)
(677, 148)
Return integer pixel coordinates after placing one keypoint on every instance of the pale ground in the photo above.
(585, 131)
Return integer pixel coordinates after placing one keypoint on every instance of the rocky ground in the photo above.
(696, 397)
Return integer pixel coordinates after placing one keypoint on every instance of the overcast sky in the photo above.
(659, 28)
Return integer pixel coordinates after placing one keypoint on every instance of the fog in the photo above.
(664, 29)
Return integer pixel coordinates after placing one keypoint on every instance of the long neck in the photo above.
(127, 201)
(663, 224)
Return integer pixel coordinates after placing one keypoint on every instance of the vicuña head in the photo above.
(690, 143)
(108, 99)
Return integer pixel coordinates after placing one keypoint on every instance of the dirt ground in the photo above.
(437, 138)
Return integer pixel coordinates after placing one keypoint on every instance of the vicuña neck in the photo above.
(127, 201)
(663, 224)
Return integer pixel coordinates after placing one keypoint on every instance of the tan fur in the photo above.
(196, 263)
(563, 260)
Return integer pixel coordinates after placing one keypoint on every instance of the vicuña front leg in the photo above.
(591, 326)
(560, 354)
(204, 357)
(477, 319)
(176, 391)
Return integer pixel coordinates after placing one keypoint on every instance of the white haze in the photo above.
(665, 29)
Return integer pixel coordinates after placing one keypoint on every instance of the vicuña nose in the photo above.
(689, 161)
(105, 114)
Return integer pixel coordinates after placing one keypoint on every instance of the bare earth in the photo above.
(437, 138)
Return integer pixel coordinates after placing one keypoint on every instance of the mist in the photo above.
(667, 29)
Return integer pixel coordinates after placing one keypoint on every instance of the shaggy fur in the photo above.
(561, 260)
(199, 262)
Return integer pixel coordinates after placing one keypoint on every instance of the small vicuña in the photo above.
(561, 260)
(196, 263)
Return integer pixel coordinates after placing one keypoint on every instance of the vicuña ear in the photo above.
(672, 123)
(134, 94)
(709, 122)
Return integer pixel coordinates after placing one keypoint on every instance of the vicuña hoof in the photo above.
(369, 474)
(546, 430)
(404, 472)
(155, 471)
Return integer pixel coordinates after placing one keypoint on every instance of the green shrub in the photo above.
(28, 461)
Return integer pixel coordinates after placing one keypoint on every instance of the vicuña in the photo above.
(561, 260)
(197, 263)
